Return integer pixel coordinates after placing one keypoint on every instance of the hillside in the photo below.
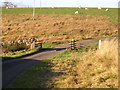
(57, 28)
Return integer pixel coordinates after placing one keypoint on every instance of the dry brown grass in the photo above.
(94, 69)
(109, 49)
(56, 28)
(100, 70)
(76, 69)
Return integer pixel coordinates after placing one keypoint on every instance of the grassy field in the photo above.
(87, 67)
(113, 12)
(59, 25)
(62, 25)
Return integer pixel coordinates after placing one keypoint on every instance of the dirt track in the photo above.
(12, 68)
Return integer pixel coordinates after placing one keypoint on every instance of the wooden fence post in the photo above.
(100, 44)
(38, 44)
(73, 44)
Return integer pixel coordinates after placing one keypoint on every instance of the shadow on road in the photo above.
(13, 67)
(52, 49)
(38, 76)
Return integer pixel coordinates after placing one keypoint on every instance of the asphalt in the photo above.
(12, 68)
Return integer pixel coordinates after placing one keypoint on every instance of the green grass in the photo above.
(41, 74)
(112, 13)
(52, 45)
(19, 54)
(22, 53)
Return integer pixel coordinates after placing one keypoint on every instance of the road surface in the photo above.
(12, 68)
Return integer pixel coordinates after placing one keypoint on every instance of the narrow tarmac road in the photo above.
(12, 68)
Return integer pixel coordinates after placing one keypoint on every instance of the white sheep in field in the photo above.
(99, 8)
(7, 7)
(86, 8)
(76, 12)
(107, 9)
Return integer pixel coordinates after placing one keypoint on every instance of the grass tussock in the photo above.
(88, 69)
(101, 69)
(109, 49)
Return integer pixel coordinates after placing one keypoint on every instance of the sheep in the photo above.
(107, 9)
(86, 8)
(76, 12)
(99, 8)
(7, 7)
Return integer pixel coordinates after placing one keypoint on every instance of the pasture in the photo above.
(59, 25)
(57, 20)
(55, 26)
(112, 13)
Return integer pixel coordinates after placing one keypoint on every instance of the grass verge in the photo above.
(41, 75)
(87, 67)
(21, 53)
